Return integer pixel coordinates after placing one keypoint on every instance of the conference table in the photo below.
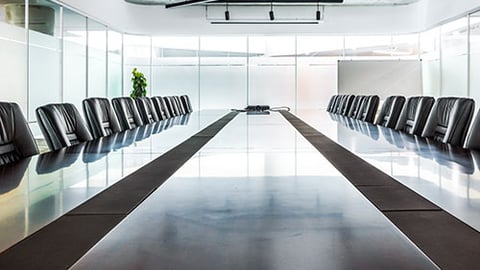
(250, 193)
(40, 189)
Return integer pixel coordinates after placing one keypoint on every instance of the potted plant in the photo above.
(139, 84)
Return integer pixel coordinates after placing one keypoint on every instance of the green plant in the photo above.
(139, 84)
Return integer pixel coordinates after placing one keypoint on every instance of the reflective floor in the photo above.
(38, 190)
(257, 196)
(447, 176)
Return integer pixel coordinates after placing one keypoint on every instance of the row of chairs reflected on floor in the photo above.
(62, 125)
(439, 130)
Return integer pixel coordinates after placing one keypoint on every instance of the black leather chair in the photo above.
(172, 106)
(147, 112)
(354, 108)
(127, 112)
(16, 139)
(336, 104)
(161, 108)
(368, 108)
(472, 140)
(414, 115)
(169, 106)
(102, 120)
(331, 102)
(180, 108)
(449, 120)
(390, 111)
(187, 105)
(62, 125)
(347, 103)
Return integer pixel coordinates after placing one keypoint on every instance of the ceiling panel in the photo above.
(345, 2)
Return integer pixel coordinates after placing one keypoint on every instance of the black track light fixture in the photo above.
(271, 14)
(318, 15)
(227, 13)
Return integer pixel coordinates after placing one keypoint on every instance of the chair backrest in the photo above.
(147, 112)
(414, 115)
(449, 120)
(340, 104)
(368, 108)
(347, 103)
(178, 102)
(127, 112)
(169, 105)
(62, 125)
(336, 103)
(16, 139)
(331, 102)
(356, 103)
(101, 118)
(187, 105)
(472, 141)
(161, 108)
(390, 111)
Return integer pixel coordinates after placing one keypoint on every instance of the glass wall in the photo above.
(137, 54)
(175, 66)
(70, 57)
(454, 57)
(45, 54)
(317, 70)
(223, 72)
(272, 79)
(13, 56)
(475, 57)
(97, 59)
(115, 64)
(430, 55)
(74, 57)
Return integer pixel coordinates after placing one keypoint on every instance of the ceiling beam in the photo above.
(187, 3)
(197, 2)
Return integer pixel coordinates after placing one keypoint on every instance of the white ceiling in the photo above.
(373, 17)
(345, 2)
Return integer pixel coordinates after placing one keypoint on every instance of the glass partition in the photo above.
(454, 55)
(317, 70)
(97, 59)
(45, 52)
(137, 54)
(13, 56)
(405, 47)
(475, 56)
(368, 47)
(272, 70)
(74, 58)
(114, 68)
(175, 67)
(223, 72)
(430, 56)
